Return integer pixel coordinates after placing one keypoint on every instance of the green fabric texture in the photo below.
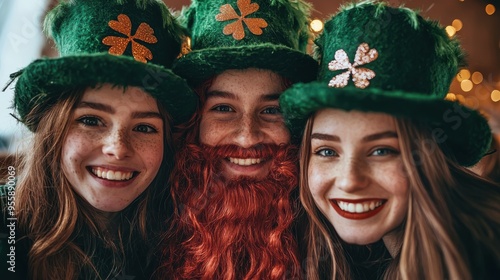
(415, 65)
(240, 34)
(125, 43)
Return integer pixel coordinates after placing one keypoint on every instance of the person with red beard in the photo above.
(236, 171)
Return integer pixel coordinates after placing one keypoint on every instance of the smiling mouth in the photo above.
(359, 207)
(245, 161)
(357, 210)
(112, 175)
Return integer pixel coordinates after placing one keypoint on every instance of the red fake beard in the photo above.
(233, 228)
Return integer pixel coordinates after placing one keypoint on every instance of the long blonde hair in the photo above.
(449, 207)
(62, 227)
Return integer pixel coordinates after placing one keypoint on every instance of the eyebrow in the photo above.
(111, 110)
(322, 136)
(368, 138)
(229, 95)
(96, 106)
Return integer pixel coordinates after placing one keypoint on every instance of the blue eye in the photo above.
(384, 152)
(90, 121)
(145, 129)
(327, 153)
(222, 108)
(272, 110)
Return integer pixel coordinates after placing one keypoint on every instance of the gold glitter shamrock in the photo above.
(119, 44)
(360, 76)
(227, 12)
(185, 46)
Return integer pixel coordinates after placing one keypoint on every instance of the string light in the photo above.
(457, 24)
(450, 30)
(450, 96)
(466, 85)
(316, 25)
(490, 9)
(495, 95)
(477, 78)
(464, 74)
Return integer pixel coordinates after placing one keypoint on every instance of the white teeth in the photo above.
(244, 161)
(358, 207)
(112, 175)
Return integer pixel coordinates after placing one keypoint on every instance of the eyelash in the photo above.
(151, 129)
(218, 108)
(322, 152)
(86, 119)
(277, 108)
(389, 151)
(228, 108)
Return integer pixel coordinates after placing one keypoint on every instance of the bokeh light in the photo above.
(450, 30)
(316, 25)
(490, 9)
(450, 96)
(495, 95)
(464, 74)
(477, 78)
(466, 85)
(457, 24)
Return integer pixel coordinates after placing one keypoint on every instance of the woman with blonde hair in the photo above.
(91, 195)
(383, 154)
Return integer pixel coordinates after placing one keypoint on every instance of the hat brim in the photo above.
(464, 131)
(45, 80)
(199, 65)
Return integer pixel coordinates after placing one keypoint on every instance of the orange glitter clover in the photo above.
(360, 76)
(119, 44)
(246, 8)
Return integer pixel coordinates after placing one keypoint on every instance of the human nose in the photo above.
(248, 131)
(351, 175)
(117, 144)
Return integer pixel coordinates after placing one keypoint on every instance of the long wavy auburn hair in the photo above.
(451, 213)
(66, 232)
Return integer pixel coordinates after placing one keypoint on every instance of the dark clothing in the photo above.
(368, 262)
(14, 256)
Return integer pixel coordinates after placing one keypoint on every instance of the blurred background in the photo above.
(475, 22)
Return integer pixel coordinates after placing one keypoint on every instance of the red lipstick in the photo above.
(357, 216)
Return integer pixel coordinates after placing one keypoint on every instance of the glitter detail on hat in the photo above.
(118, 45)
(360, 76)
(227, 12)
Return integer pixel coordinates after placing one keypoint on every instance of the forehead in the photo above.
(352, 123)
(246, 84)
(133, 98)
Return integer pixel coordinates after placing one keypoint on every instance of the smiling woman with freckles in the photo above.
(92, 194)
(382, 165)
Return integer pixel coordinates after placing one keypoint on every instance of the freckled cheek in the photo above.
(213, 133)
(279, 134)
(151, 151)
(395, 181)
(76, 149)
(318, 181)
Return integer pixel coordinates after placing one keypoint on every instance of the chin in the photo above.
(358, 240)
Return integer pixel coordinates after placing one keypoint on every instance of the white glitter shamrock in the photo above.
(360, 76)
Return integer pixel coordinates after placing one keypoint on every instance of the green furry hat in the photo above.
(377, 58)
(121, 42)
(240, 34)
